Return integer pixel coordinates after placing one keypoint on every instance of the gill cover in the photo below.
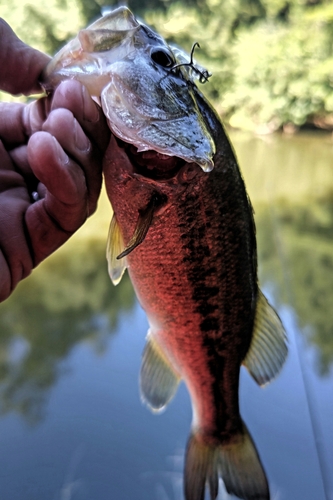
(128, 67)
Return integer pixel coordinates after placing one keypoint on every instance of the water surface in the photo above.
(72, 426)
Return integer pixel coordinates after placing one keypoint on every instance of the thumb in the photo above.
(20, 64)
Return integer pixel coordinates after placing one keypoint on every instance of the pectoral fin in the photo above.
(268, 349)
(115, 245)
(158, 380)
(143, 224)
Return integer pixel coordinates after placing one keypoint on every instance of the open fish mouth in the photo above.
(151, 164)
(150, 126)
(142, 106)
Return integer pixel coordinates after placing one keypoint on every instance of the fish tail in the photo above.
(236, 462)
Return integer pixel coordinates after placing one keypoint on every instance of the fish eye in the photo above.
(162, 58)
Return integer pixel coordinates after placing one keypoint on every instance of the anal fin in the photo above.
(268, 349)
(158, 379)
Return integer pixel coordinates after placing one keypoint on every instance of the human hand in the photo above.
(51, 151)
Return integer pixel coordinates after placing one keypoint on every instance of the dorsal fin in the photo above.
(268, 349)
(158, 379)
(114, 247)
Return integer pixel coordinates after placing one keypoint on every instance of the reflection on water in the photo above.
(299, 261)
(292, 191)
(290, 181)
(71, 343)
(70, 301)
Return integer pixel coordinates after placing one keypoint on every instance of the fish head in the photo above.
(144, 88)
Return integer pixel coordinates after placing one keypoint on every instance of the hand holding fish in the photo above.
(50, 162)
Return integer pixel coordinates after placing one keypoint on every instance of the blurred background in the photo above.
(271, 60)
(72, 426)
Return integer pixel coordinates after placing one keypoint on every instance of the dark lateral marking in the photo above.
(202, 273)
(217, 362)
(198, 249)
(211, 271)
(205, 293)
(209, 324)
(205, 309)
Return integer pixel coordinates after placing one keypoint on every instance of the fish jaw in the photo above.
(88, 56)
(75, 64)
(138, 119)
(146, 104)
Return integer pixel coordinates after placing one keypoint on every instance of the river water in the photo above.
(72, 426)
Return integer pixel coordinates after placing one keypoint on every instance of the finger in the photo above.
(5, 160)
(74, 96)
(20, 64)
(63, 178)
(19, 121)
(15, 257)
(12, 131)
(5, 278)
(20, 163)
(53, 219)
(68, 132)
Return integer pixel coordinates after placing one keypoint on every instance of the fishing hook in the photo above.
(204, 75)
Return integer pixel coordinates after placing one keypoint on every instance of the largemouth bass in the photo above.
(183, 226)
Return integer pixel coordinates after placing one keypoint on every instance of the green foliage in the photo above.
(45, 26)
(299, 261)
(68, 300)
(284, 75)
(271, 60)
(290, 183)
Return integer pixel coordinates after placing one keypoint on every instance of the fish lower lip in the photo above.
(151, 164)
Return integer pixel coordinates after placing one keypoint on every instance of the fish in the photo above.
(183, 227)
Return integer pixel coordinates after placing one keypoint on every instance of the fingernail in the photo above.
(82, 142)
(63, 158)
(90, 110)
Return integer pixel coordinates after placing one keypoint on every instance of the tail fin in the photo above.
(236, 462)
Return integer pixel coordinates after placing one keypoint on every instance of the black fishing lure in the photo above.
(204, 75)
